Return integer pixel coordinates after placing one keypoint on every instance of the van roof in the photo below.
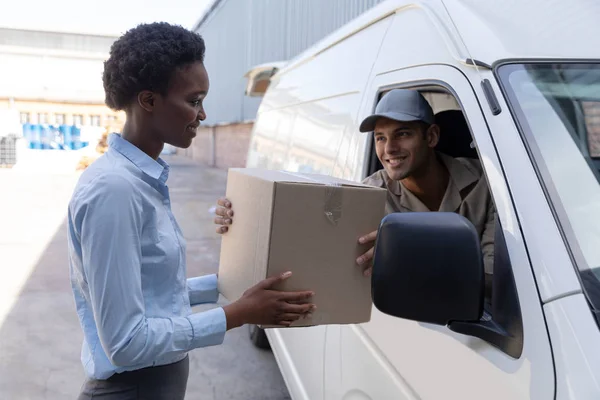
(491, 31)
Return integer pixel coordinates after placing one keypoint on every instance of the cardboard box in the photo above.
(307, 224)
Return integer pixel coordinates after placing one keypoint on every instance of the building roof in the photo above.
(209, 11)
(62, 41)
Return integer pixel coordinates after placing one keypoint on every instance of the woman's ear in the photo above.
(146, 100)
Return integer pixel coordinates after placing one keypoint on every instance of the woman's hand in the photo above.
(366, 259)
(261, 305)
(224, 216)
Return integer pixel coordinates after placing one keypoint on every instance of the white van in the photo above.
(514, 83)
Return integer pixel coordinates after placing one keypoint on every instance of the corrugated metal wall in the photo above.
(240, 34)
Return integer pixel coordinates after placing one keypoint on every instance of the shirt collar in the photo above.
(460, 178)
(461, 175)
(157, 169)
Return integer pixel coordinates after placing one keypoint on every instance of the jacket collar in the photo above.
(461, 177)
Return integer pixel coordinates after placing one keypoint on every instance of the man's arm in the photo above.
(487, 246)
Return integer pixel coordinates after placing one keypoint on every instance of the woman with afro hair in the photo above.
(126, 250)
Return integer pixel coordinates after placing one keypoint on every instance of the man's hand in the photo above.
(365, 260)
(224, 215)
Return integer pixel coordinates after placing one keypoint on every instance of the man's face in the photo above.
(403, 148)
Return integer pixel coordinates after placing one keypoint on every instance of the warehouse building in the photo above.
(54, 77)
(51, 94)
(241, 34)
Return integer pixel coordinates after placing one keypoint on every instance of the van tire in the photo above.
(259, 337)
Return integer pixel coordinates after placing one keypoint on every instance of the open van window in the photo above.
(557, 108)
(467, 189)
(468, 185)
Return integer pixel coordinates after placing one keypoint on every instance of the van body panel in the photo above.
(409, 44)
(554, 270)
(575, 338)
(359, 24)
(323, 78)
(500, 30)
(288, 367)
(490, 31)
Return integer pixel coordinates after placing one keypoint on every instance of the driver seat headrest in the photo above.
(455, 135)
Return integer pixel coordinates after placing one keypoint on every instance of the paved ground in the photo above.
(40, 337)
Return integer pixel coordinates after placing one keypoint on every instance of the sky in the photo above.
(104, 17)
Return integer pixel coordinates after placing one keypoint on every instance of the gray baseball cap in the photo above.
(400, 105)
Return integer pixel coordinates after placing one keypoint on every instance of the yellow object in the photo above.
(101, 148)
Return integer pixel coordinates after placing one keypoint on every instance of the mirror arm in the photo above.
(505, 329)
(490, 331)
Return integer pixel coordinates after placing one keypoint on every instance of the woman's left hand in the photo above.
(224, 216)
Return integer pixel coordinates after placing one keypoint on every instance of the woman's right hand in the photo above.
(261, 305)
(224, 216)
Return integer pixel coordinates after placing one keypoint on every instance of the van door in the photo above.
(316, 141)
(392, 358)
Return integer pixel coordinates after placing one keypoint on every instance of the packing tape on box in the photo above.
(333, 197)
(333, 202)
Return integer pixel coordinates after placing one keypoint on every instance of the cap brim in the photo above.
(368, 125)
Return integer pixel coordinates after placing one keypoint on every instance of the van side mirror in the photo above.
(259, 78)
(428, 267)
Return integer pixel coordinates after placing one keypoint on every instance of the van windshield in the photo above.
(557, 107)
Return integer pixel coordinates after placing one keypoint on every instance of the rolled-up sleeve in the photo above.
(109, 225)
(487, 239)
(203, 289)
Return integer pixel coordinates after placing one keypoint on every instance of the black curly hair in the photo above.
(144, 58)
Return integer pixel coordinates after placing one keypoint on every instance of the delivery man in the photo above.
(416, 176)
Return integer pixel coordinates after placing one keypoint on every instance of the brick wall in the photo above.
(223, 146)
(200, 150)
(232, 145)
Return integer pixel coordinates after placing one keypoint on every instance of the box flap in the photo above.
(297, 177)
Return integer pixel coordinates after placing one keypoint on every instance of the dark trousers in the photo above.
(166, 382)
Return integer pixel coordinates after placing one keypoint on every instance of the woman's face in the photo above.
(177, 115)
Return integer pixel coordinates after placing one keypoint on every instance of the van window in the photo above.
(557, 107)
(457, 142)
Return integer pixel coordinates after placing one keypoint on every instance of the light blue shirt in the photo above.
(128, 268)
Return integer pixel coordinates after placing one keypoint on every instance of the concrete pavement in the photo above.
(40, 337)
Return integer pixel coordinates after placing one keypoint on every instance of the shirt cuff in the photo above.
(203, 289)
(208, 328)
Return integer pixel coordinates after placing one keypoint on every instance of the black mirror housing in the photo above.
(428, 267)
